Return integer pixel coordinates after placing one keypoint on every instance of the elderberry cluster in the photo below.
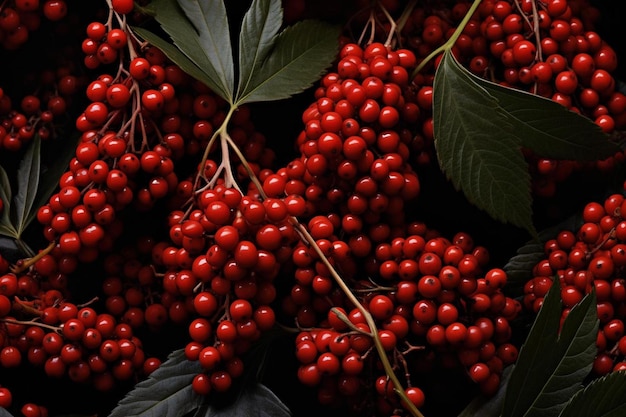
(545, 47)
(591, 256)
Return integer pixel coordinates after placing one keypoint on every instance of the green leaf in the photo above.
(519, 267)
(201, 33)
(176, 56)
(605, 396)
(551, 366)
(166, 392)
(27, 186)
(6, 226)
(478, 148)
(298, 58)
(260, 25)
(549, 129)
(50, 177)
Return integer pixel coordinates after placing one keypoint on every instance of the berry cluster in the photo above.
(330, 244)
(545, 47)
(38, 113)
(593, 256)
(18, 18)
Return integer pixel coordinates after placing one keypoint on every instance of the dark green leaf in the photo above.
(209, 50)
(492, 406)
(174, 54)
(260, 25)
(166, 392)
(605, 396)
(551, 366)
(6, 226)
(551, 130)
(300, 55)
(477, 146)
(519, 267)
(256, 401)
(211, 22)
(50, 176)
(27, 185)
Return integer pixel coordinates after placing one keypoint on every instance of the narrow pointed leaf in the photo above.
(211, 22)
(166, 392)
(551, 130)
(551, 366)
(27, 185)
(260, 26)
(477, 147)
(6, 226)
(299, 57)
(189, 41)
(605, 396)
(50, 176)
(176, 56)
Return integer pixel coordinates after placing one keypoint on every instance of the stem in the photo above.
(32, 323)
(304, 233)
(451, 41)
(382, 354)
(406, 14)
(27, 263)
(207, 150)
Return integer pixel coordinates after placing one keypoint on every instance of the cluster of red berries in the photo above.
(545, 47)
(18, 18)
(38, 113)
(65, 339)
(329, 243)
(426, 293)
(592, 256)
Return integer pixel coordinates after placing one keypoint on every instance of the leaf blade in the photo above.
(551, 367)
(260, 26)
(211, 23)
(6, 226)
(477, 147)
(300, 55)
(167, 391)
(577, 348)
(50, 177)
(175, 23)
(605, 396)
(27, 185)
(551, 130)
